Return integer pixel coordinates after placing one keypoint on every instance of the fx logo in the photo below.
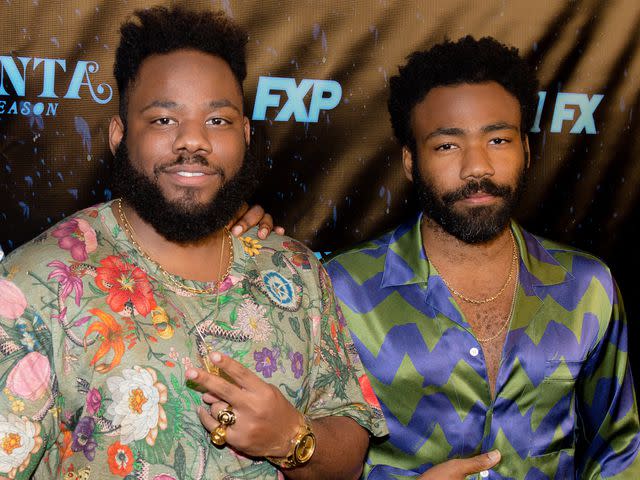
(567, 105)
(325, 95)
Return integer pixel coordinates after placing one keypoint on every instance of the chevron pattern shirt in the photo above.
(565, 405)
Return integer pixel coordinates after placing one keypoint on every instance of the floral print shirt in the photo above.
(95, 341)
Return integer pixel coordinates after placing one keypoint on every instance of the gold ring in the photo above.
(219, 435)
(226, 416)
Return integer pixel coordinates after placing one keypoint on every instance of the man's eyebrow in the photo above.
(223, 103)
(171, 105)
(499, 126)
(444, 131)
(160, 104)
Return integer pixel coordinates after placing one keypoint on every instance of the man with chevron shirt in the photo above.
(479, 338)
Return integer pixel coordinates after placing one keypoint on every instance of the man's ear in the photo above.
(527, 152)
(247, 130)
(407, 163)
(116, 133)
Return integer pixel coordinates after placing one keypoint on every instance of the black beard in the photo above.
(477, 224)
(184, 221)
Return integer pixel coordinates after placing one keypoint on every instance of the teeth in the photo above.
(191, 174)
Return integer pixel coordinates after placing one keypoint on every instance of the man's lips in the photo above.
(191, 175)
(479, 198)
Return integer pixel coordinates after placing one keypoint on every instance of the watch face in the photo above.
(305, 448)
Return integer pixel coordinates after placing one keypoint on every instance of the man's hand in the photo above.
(247, 218)
(458, 469)
(265, 421)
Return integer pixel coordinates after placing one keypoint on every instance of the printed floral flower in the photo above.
(173, 354)
(125, 283)
(19, 439)
(29, 378)
(110, 332)
(295, 246)
(12, 300)
(228, 282)
(251, 246)
(297, 364)
(301, 260)
(278, 288)
(367, 391)
(67, 280)
(138, 397)
(161, 323)
(94, 401)
(64, 446)
(120, 459)
(252, 321)
(17, 406)
(164, 476)
(266, 361)
(77, 236)
(83, 440)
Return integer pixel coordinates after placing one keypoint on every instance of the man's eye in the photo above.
(163, 121)
(498, 141)
(444, 147)
(217, 121)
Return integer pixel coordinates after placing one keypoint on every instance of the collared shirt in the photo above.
(565, 405)
(95, 341)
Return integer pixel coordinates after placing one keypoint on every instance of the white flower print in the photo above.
(137, 404)
(252, 321)
(19, 439)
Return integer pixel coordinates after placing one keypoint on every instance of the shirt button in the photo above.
(484, 473)
(474, 352)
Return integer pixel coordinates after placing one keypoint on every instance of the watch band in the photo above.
(302, 447)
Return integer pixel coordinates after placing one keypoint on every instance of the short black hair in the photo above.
(159, 30)
(452, 63)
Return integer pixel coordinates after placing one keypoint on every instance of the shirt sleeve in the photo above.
(28, 384)
(339, 385)
(609, 442)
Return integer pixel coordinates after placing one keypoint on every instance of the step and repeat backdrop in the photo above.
(316, 93)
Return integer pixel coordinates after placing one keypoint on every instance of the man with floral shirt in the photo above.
(106, 319)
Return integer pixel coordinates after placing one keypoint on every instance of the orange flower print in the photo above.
(120, 459)
(111, 333)
(125, 283)
(367, 392)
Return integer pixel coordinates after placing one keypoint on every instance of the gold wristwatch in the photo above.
(302, 447)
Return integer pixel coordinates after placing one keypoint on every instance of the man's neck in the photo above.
(447, 251)
(201, 261)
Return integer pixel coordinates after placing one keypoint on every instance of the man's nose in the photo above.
(192, 138)
(476, 163)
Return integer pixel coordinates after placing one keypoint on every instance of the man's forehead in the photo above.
(469, 106)
(190, 70)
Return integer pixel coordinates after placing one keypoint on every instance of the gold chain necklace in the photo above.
(508, 320)
(196, 291)
(514, 263)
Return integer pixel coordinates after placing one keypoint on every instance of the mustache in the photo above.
(188, 160)
(473, 186)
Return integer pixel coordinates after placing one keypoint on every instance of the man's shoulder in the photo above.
(579, 263)
(71, 239)
(362, 261)
(278, 252)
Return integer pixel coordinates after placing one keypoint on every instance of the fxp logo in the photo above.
(325, 95)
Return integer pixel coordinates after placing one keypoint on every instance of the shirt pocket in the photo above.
(553, 418)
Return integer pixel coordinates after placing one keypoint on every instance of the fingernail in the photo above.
(191, 374)
(236, 230)
(494, 455)
(215, 357)
(263, 233)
